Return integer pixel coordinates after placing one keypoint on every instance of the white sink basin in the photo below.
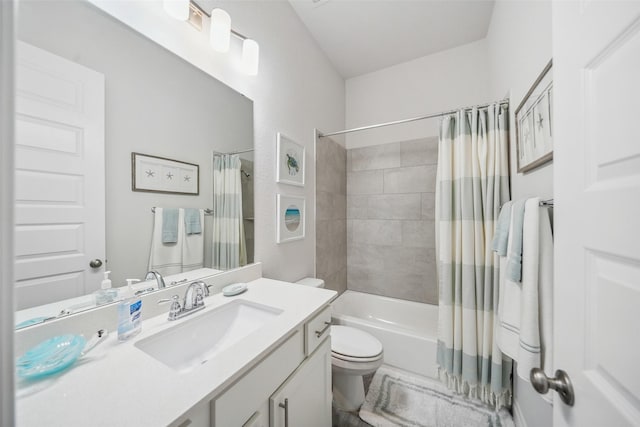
(193, 342)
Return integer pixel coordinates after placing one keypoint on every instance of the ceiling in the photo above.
(361, 36)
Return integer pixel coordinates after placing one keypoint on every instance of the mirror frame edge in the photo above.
(7, 149)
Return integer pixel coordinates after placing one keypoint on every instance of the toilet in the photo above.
(354, 353)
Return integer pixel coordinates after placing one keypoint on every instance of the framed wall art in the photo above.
(161, 175)
(534, 123)
(290, 218)
(290, 158)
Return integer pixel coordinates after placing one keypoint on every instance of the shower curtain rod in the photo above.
(413, 119)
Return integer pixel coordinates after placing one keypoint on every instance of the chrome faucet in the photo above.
(193, 301)
(154, 275)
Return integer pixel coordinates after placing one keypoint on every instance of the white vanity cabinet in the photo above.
(299, 370)
(305, 398)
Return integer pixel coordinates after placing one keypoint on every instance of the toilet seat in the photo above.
(351, 344)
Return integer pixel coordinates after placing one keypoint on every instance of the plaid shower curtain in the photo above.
(472, 185)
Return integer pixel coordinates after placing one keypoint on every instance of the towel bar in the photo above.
(206, 211)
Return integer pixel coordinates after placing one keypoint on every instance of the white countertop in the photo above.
(118, 384)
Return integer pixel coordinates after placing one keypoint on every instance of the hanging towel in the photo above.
(525, 310)
(165, 258)
(169, 225)
(193, 244)
(501, 238)
(514, 260)
(192, 222)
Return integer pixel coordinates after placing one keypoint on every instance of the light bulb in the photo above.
(220, 34)
(250, 57)
(178, 9)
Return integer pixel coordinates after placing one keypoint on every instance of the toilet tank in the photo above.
(311, 281)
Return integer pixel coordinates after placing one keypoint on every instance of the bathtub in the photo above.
(406, 329)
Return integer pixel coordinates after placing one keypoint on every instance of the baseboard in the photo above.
(518, 417)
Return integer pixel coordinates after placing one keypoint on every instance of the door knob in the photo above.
(95, 263)
(560, 383)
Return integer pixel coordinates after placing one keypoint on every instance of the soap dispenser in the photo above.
(129, 313)
(106, 293)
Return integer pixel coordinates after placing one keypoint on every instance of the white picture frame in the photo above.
(290, 161)
(534, 124)
(290, 218)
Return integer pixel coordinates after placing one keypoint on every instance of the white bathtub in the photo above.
(406, 329)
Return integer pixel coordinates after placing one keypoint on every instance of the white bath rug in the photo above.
(400, 398)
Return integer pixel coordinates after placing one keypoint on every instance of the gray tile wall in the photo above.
(390, 220)
(331, 214)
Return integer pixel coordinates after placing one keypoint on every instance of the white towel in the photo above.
(193, 246)
(166, 258)
(525, 309)
(171, 258)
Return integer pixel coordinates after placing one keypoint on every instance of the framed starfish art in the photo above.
(534, 127)
(161, 175)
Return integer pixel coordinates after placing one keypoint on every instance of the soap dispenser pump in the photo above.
(106, 293)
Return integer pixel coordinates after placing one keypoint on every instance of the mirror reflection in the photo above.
(92, 91)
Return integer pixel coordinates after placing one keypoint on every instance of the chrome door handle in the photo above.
(319, 333)
(560, 383)
(285, 406)
(95, 263)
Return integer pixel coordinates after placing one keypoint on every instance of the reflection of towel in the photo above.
(169, 225)
(193, 244)
(500, 239)
(192, 222)
(525, 310)
(514, 260)
(184, 255)
(165, 258)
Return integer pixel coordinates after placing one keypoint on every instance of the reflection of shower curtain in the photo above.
(229, 247)
(473, 182)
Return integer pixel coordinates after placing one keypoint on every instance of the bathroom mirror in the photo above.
(154, 103)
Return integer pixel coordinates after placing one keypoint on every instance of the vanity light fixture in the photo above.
(220, 32)
(178, 9)
(250, 57)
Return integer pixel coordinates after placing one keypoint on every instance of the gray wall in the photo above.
(156, 103)
(331, 214)
(390, 219)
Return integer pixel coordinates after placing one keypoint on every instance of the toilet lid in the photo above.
(353, 342)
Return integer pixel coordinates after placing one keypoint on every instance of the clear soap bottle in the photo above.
(129, 314)
(106, 293)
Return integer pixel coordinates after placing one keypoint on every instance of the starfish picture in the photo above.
(150, 173)
(540, 121)
(169, 175)
(187, 178)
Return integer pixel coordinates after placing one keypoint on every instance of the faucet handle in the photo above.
(175, 308)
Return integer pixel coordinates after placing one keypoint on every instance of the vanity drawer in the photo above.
(316, 330)
(237, 405)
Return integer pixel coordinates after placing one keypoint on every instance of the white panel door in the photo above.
(60, 189)
(596, 49)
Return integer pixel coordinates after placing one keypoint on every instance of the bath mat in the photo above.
(400, 398)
